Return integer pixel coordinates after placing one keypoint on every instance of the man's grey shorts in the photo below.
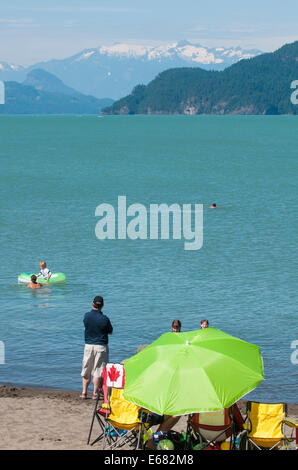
(94, 360)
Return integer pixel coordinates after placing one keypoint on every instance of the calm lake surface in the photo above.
(55, 171)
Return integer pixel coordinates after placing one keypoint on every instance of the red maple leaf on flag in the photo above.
(114, 374)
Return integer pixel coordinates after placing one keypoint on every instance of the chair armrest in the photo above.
(291, 422)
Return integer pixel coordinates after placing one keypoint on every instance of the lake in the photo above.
(55, 172)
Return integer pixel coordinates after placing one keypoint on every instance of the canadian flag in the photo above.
(115, 375)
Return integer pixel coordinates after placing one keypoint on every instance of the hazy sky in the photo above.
(34, 30)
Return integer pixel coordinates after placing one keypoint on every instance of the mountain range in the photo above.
(113, 71)
(259, 85)
(44, 93)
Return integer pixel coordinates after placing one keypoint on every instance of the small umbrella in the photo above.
(195, 371)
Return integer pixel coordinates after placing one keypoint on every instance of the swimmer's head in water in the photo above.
(204, 323)
(214, 205)
(33, 278)
(176, 326)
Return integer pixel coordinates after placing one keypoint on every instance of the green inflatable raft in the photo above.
(56, 278)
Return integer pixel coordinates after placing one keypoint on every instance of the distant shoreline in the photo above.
(145, 114)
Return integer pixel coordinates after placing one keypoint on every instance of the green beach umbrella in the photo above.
(195, 371)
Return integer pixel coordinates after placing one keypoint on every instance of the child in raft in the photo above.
(33, 284)
(45, 273)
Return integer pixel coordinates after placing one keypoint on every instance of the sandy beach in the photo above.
(42, 419)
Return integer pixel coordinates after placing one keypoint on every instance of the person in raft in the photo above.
(96, 351)
(33, 284)
(45, 273)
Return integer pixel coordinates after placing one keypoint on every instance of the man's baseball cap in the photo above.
(98, 300)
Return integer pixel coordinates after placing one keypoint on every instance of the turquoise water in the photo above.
(56, 170)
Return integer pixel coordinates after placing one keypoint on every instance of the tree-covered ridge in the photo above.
(260, 85)
(43, 93)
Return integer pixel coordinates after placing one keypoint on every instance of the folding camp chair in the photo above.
(206, 431)
(266, 424)
(119, 420)
(99, 414)
(101, 410)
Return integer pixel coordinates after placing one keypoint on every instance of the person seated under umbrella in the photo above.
(167, 424)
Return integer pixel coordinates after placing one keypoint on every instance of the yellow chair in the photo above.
(123, 425)
(265, 425)
(121, 422)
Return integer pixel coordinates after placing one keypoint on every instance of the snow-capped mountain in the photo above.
(4, 66)
(113, 71)
(183, 49)
(12, 72)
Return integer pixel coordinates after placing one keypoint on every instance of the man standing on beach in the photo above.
(96, 352)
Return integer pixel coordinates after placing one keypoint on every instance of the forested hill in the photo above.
(43, 93)
(261, 85)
